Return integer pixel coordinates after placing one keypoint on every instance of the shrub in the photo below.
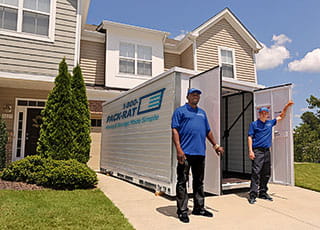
(83, 122)
(71, 174)
(3, 143)
(57, 174)
(59, 119)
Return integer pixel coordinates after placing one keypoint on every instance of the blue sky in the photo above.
(288, 29)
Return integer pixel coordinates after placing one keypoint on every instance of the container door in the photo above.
(209, 83)
(275, 99)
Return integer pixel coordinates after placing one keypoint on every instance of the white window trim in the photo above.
(233, 58)
(136, 59)
(20, 34)
(23, 109)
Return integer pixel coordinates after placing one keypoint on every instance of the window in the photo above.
(127, 58)
(31, 103)
(95, 122)
(135, 59)
(28, 16)
(144, 60)
(227, 62)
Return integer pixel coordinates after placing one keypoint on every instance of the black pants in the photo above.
(197, 166)
(261, 171)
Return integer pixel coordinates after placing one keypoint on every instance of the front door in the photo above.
(32, 130)
(275, 98)
(209, 82)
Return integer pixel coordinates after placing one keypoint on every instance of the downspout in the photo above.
(78, 34)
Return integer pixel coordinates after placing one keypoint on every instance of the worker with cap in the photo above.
(259, 143)
(190, 128)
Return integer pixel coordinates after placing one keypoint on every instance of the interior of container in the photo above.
(236, 116)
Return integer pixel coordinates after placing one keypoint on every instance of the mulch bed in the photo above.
(12, 185)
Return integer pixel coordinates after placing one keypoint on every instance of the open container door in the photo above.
(275, 98)
(209, 82)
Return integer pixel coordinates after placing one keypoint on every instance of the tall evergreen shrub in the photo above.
(3, 143)
(82, 128)
(57, 133)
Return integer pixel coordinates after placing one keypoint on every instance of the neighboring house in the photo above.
(114, 57)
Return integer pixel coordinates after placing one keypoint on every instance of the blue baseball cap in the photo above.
(194, 90)
(264, 109)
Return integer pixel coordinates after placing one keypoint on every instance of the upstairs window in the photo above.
(36, 14)
(8, 14)
(127, 58)
(144, 60)
(135, 59)
(227, 62)
(28, 16)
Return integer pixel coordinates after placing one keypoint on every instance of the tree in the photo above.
(82, 128)
(307, 135)
(3, 143)
(57, 133)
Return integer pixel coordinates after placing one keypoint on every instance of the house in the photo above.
(114, 57)
(34, 37)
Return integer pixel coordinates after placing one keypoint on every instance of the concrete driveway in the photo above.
(292, 208)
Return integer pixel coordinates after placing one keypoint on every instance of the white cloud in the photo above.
(297, 115)
(281, 39)
(309, 63)
(269, 58)
(181, 35)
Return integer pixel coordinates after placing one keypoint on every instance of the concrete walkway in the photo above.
(292, 208)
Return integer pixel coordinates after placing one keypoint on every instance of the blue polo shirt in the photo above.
(193, 127)
(261, 133)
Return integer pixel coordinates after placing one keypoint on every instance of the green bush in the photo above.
(3, 143)
(57, 174)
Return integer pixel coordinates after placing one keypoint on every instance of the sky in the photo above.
(287, 29)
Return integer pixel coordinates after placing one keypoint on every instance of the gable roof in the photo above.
(179, 46)
(234, 22)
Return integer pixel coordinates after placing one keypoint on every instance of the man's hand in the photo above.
(181, 157)
(219, 150)
(284, 111)
(251, 155)
(290, 103)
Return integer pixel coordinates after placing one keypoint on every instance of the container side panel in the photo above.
(136, 132)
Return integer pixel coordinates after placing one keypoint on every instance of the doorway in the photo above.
(27, 123)
(32, 131)
(236, 115)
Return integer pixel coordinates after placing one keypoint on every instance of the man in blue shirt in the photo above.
(259, 143)
(190, 128)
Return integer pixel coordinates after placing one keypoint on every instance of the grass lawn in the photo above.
(307, 175)
(51, 209)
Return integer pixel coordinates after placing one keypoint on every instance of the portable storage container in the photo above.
(137, 146)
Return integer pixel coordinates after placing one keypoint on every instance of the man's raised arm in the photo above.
(284, 111)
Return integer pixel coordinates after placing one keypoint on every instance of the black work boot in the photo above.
(265, 196)
(202, 212)
(252, 198)
(183, 217)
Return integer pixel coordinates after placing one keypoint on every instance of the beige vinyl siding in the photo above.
(186, 58)
(92, 62)
(171, 60)
(223, 34)
(23, 55)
